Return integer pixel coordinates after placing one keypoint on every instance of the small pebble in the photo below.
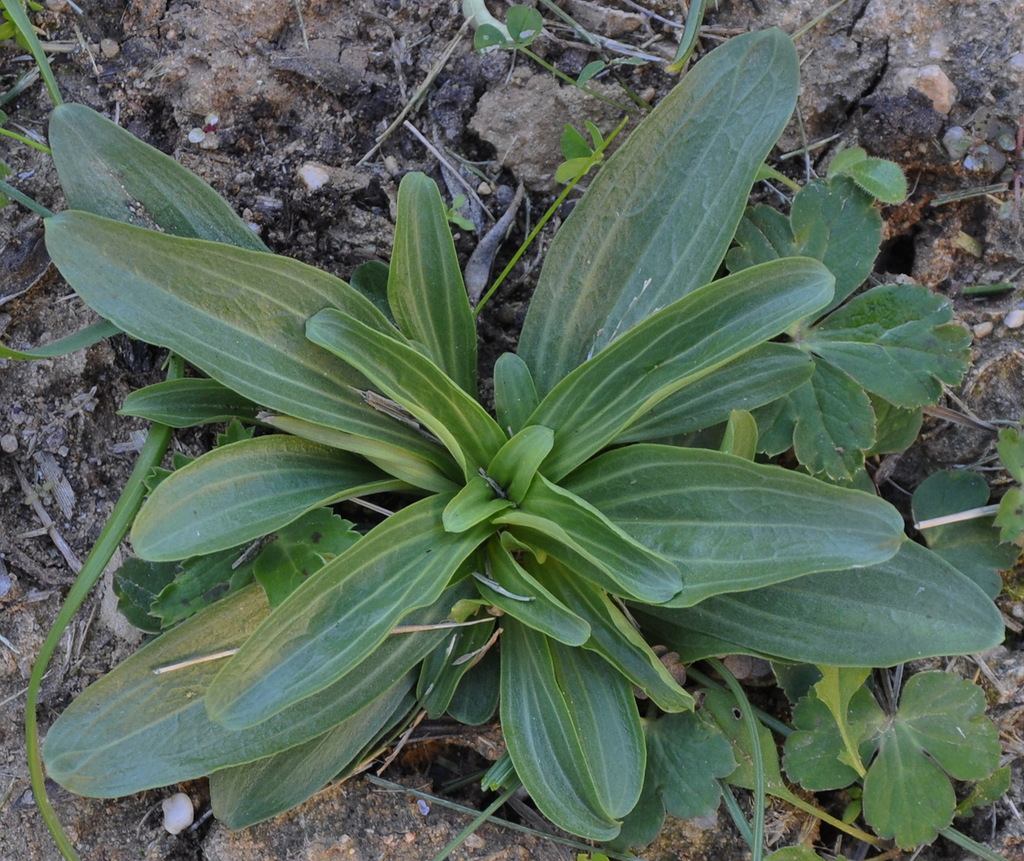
(211, 140)
(196, 135)
(109, 48)
(313, 175)
(1015, 319)
(983, 330)
(178, 813)
(1017, 62)
(931, 81)
(8, 443)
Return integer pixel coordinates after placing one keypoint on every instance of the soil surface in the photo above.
(300, 116)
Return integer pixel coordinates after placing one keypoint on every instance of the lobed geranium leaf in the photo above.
(136, 584)
(939, 728)
(912, 606)
(188, 402)
(1011, 452)
(415, 383)
(970, 546)
(199, 582)
(237, 315)
(239, 492)
(105, 170)
(572, 731)
(880, 178)
(1010, 517)
(425, 289)
(672, 347)
(243, 795)
(677, 220)
(341, 614)
(731, 525)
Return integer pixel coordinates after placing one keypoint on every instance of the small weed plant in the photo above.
(555, 560)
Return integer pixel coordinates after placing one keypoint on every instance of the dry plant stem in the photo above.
(478, 268)
(32, 497)
(106, 544)
(946, 519)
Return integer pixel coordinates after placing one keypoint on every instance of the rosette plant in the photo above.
(575, 520)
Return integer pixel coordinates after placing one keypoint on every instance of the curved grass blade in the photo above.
(78, 341)
(242, 491)
(341, 614)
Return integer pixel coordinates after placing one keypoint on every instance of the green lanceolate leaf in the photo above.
(341, 614)
(417, 384)
(513, 589)
(135, 729)
(677, 220)
(672, 347)
(574, 532)
(515, 396)
(912, 606)
(443, 669)
(237, 315)
(758, 377)
(106, 171)
(243, 795)
(474, 504)
(731, 525)
(896, 341)
(79, 341)
(239, 492)
(188, 402)
(573, 732)
(613, 636)
(425, 288)
(515, 465)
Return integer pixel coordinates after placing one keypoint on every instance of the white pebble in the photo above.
(8, 443)
(1017, 62)
(178, 813)
(197, 135)
(1015, 319)
(314, 175)
(983, 330)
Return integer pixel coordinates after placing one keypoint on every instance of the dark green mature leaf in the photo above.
(830, 221)
(341, 614)
(672, 347)
(896, 341)
(677, 220)
(136, 584)
(443, 669)
(476, 699)
(758, 377)
(106, 171)
(425, 287)
(573, 732)
(685, 755)
(573, 531)
(135, 729)
(237, 315)
(243, 795)
(236, 493)
(940, 728)
(417, 384)
(731, 525)
(971, 546)
(188, 402)
(912, 606)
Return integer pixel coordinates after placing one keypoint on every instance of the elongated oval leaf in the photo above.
(341, 614)
(425, 288)
(644, 236)
(417, 384)
(675, 346)
(188, 402)
(912, 606)
(515, 396)
(135, 729)
(573, 732)
(239, 492)
(107, 171)
(237, 315)
(732, 525)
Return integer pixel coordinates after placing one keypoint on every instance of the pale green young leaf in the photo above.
(672, 347)
(515, 396)
(188, 402)
(516, 464)
(1011, 452)
(740, 437)
(677, 221)
(341, 614)
(414, 382)
(909, 607)
(105, 170)
(239, 492)
(473, 504)
(573, 732)
(1010, 517)
(243, 795)
(730, 525)
(425, 288)
(880, 178)
(237, 315)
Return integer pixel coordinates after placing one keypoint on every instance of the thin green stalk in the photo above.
(24, 199)
(109, 539)
(965, 842)
(16, 13)
(750, 722)
(540, 61)
(25, 140)
(551, 210)
(689, 38)
(485, 814)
